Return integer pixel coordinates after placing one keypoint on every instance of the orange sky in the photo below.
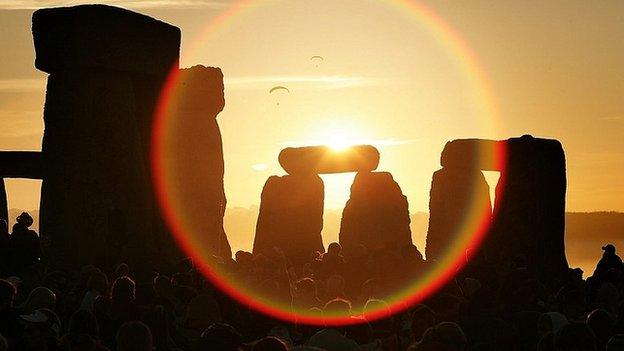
(387, 78)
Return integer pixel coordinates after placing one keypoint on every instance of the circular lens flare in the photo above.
(263, 296)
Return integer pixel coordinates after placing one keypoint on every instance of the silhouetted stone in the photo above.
(93, 163)
(478, 154)
(529, 210)
(459, 201)
(107, 67)
(376, 214)
(195, 140)
(291, 217)
(21, 164)
(4, 209)
(103, 37)
(323, 159)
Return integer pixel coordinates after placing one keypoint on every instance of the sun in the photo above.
(339, 142)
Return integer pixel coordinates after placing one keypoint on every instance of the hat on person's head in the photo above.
(609, 248)
(25, 219)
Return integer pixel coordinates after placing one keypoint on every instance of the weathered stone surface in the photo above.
(477, 154)
(323, 159)
(529, 210)
(21, 164)
(376, 214)
(528, 219)
(94, 164)
(459, 202)
(197, 155)
(291, 217)
(4, 209)
(107, 69)
(103, 37)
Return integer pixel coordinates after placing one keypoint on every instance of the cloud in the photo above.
(22, 85)
(299, 82)
(134, 4)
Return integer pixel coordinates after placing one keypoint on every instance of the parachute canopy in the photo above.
(279, 87)
(316, 57)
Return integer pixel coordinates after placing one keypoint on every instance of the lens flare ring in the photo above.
(473, 231)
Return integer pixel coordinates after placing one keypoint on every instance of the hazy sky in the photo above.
(387, 78)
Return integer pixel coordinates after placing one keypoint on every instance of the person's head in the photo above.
(575, 337)
(334, 249)
(24, 219)
(121, 270)
(40, 297)
(550, 322)
(220, 337)
(609, 249)
(83, 322)
(338, 306)
(448, 334)
(162, 285)
(202, 311)
(270, 343)
(99, 282)
(42, 327)
(123, 289)
(305, 287)
(601, 323)
(7, 294)
(134, 336)
(423, 318)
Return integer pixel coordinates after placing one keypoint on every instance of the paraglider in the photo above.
(279, 88)
(316, 59)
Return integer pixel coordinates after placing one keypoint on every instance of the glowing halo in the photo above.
(474, 229)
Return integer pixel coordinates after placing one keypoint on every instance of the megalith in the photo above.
(529, 209)
(106, 68)
(291, 217)
(325, 160)
(528, 218)
(4, 208)
(194, 141)
(459, 202)
(376, 215)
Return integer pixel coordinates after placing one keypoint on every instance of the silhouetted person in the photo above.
(5, 244)
(609, 260)
(25, 245)
(134, 336)
(10, 326)
(270, 343)
(41, 331)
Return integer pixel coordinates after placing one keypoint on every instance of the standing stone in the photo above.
(529, 210)
(376, 214)
(291, 217)
(528, 220)
(4, 209)
(196, 155)
(459, 201)
(107, 66)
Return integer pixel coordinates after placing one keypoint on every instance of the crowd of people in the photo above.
(482, 308)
